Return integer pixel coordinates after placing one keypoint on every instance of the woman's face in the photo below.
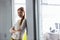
(20, 13)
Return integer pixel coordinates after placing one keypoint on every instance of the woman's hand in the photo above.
(12, 30)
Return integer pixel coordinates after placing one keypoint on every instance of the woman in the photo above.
(18, 29)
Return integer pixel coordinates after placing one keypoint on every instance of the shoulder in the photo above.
(25, 21)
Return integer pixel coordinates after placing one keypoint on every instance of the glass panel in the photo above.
(50, 22)
(19, 1)
(50, 17)
(51, 1)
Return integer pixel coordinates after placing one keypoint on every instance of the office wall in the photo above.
(30, 19)
(5, 19)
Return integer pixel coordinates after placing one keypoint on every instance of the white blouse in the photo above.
(18, 35)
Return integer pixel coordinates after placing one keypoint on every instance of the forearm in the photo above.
(12, 30)
(18, 30)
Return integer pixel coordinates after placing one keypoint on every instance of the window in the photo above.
(20, 1)
(15, 5)
(51, 1)
(49, 16)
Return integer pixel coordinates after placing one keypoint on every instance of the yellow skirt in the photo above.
(24, 36)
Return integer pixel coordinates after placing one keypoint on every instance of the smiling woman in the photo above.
(20, 27)
(18, 20)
